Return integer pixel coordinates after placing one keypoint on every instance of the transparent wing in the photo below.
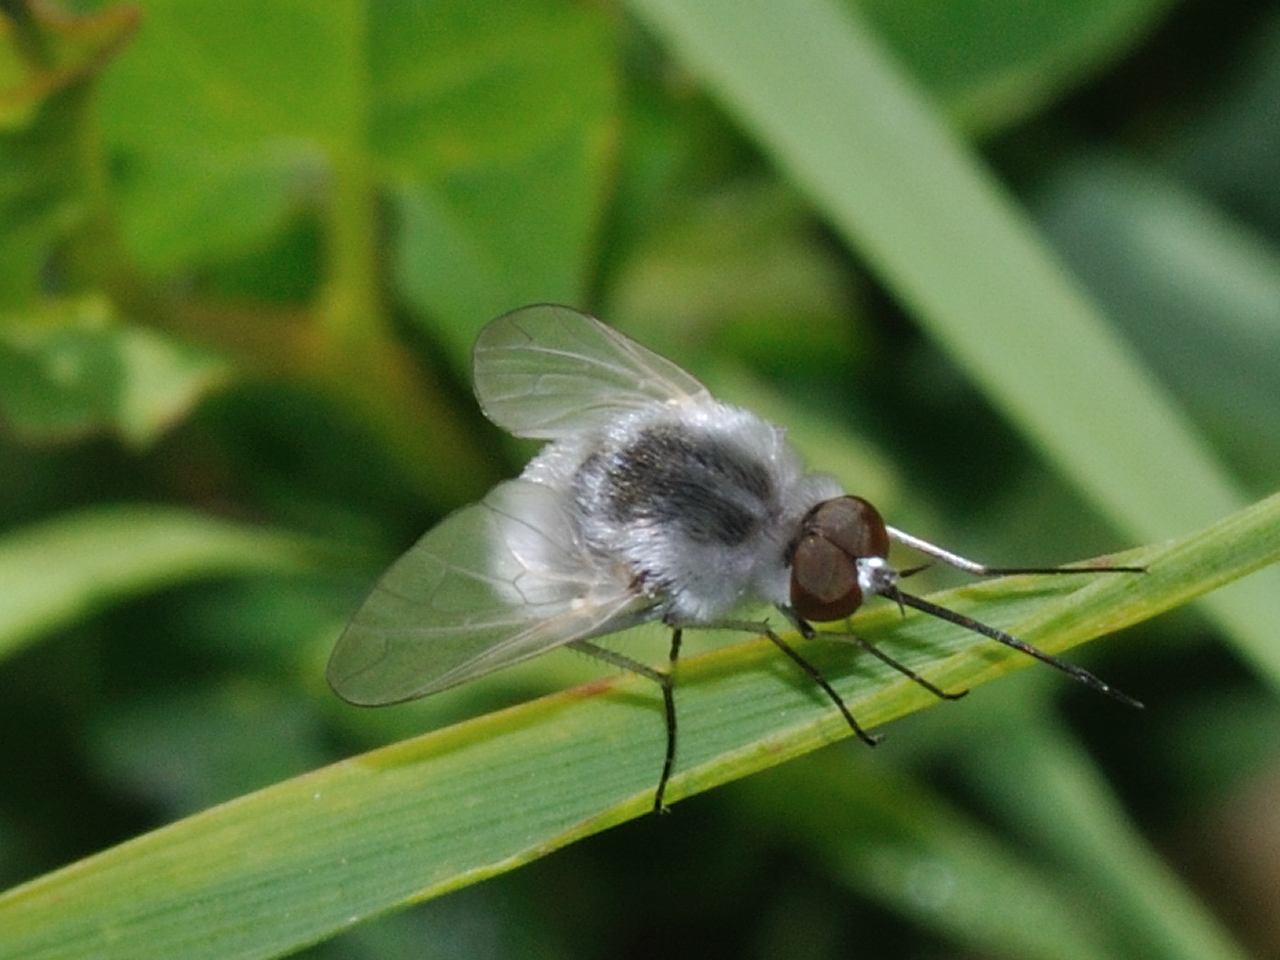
(495, 583)
(546, 371)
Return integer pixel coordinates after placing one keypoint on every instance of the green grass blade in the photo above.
(811, 83)
(304, 859)
(60, 570)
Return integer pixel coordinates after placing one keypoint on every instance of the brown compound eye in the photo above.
(824, 567)
(824, 580)
(852, 524)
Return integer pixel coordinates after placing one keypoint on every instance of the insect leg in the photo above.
(981, 569)
(807, 631)
(665, 681)
(763, 630)
(669, 703)
(903, 669)
(977, 626)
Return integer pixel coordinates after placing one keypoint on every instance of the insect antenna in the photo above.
(977, 626)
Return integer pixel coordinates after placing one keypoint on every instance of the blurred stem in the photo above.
(93, 255)
(419, 423)
(358, 356)
(351, 309)
(1041, 778)
(385, 387)
(361, 360)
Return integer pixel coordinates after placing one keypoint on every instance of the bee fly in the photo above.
(651, 501)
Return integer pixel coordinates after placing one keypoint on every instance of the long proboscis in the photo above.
(977, 626)
(1014, 571)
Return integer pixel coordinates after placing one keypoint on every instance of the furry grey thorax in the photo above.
(700, 501)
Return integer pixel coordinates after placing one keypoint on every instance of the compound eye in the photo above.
(824, 580)
(852, 524)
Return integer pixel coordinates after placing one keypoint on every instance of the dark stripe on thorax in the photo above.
(712, 490)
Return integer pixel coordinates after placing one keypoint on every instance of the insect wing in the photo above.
(546, 371)
(495, 583)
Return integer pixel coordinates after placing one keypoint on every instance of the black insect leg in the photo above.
(665, 681)
(669, 703)
(763, 630)
(903, 669)
(806, 630)
(977, 626)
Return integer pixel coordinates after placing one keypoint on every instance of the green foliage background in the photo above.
(1010, 270)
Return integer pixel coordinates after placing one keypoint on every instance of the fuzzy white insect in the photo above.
(652, 501)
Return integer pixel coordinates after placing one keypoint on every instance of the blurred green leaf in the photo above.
(270, 626)
(1225, 745)
(74, 371)
(188, 749)
(44, 50)
(46, 62)
(1231, 148)
(194, 205)
(488, 128)
(496, 124)
(1196, 290)
(884, 836)
(301, 860)
(40, 198)
(187, 145)
(64, 569)
(810, 82)
(1073, 814)
(738, 272)
(480, 924)
(453, 159)
(994, 62)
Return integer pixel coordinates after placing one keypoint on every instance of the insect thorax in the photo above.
(696, 504)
